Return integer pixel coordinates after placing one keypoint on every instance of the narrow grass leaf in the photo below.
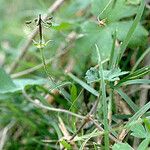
(84, 85)
(138, 114)
(140, 59)
(104, 101)
(131, 30)
(135, 75)
(112, 56)
(144, 144)
(127, 100)
(137, 81)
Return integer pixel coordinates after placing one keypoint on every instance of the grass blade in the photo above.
(138, 81)
(104, 102)
(128, 100)
(131, 31)
(112, 57)
(139, 60)
(138, 114)
(84, 85)
(135, 75)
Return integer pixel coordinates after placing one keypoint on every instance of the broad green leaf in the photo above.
(121, 10)
(93, 33)
(122, 146)
(114, 74)
(62, 26)
(115, 11)
(92, 75)
(98, 7)
(7, 85)
(138, 131)
(22, 83)
(70, 10)
(139, 36)
(131, 31)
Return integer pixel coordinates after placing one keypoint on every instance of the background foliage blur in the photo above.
(74, 18)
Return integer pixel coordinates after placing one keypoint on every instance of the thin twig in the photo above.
(3, 137)
(48, 61)
(40, 105)
(101, 129)
(86, 120)
(25, 47)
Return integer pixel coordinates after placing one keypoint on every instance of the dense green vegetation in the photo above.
(78, 78)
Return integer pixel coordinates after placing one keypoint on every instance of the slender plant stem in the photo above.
(26, 45)
(35, 68)
(39, 104)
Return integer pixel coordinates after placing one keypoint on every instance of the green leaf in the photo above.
(135, 75)
(144, 144)
(130, 82)
(104, 102)
(10, 86)
(93, 33)
(6, 83)
(66, 144)
(147, 124)
(138, 131)
(23, 83)
(92, 75)
(114, 74)
(99, 5)
(74, 95)
(139, 36)
(122, 146)
(128, 100)
(138, 114)
(133, 2)
(131, 31)
(146, 52)
(84, 85)
(121, 10)
(73, 92)
(62, 26)
(109, 75)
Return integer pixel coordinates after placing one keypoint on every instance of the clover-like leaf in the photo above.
(92, 75)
